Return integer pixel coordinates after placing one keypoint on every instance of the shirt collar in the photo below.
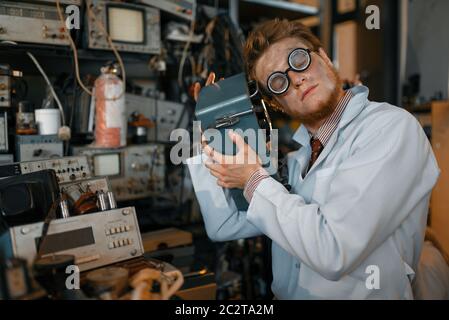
(349, 110)
(328, 127)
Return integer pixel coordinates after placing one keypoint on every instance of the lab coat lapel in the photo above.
(353, 109)
(303, 154)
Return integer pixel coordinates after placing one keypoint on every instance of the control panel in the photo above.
(96, 239)
(36, 147)
(31, 22)
(68, 169)
(182, 8)
(170, 116)
(144, 172)
(53, 2)
(76, 189)
(5, 86)
(140, 169)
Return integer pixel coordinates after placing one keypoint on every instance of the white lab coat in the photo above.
(353, 227)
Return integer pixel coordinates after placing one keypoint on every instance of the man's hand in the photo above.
(197, 87)
(233, 171)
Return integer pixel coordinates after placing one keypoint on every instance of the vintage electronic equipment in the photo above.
(35, 147)
(67, 169)
(138, 126)
(95, 240)
(4, 145)
(181, 8)
(132, 27)
(87, 196)
(170, 116)
(141, 105)
(27, 198)
(53, 2)
(15, 281)
(25, 119)
(6, 159)
(234, 103)
(36, 22)
(5, 86)
(134, 172)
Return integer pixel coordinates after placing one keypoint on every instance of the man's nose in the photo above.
(297, 78)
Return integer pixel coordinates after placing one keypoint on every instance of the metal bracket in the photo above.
(227, 121)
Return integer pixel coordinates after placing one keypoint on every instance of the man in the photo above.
(353, 224)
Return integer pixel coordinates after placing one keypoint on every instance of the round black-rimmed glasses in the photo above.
(298, 60)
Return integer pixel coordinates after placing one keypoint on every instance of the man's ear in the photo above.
(326, 59)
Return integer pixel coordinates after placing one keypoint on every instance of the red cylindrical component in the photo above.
(110, 118)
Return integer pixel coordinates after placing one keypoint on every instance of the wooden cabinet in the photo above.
(439, 216)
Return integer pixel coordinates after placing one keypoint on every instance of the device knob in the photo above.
(125, 212)
(24, 230)
(96, 35)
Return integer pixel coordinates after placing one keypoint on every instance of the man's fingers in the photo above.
(215, 174)
(237, 139)
(197, 87)
(196, 91)
(218, 157)
(210, 78)
(216, 168)
(213, 154)
(221, 183)
(203, 139)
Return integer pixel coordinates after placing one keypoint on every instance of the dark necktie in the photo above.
(317, 147)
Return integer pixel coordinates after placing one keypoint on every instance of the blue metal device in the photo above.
(234, 103)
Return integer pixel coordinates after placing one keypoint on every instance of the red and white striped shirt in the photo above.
(326, 130)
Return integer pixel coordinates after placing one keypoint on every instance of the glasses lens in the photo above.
(278, 82)
(299, 59)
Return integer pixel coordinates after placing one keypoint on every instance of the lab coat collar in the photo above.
(354, 107)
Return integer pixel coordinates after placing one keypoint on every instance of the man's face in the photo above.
(313, 93)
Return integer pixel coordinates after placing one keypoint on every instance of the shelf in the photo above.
(255, 11)
(66, 52)
(285, 5)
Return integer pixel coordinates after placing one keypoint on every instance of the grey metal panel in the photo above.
(34, 23)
